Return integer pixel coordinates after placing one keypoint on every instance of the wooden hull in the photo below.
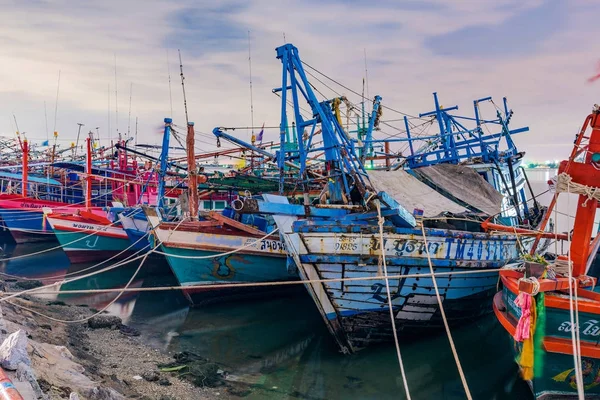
(357, 312)
(557, 380)
(86, 241)
(207, 266)
(24, 217)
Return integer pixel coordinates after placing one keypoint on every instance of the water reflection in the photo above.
(280, 346)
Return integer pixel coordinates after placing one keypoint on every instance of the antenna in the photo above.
(170, 94)
(251, 99)
(109, 131)
(366, 74)
(17, 125)
(56, 101)
(46, 118)
(136, 125)
(78, 132)
(183, 87)
(116, 97)
(284, 38)
(129, 116)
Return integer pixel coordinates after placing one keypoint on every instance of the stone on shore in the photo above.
(105, 322)
(14, 351)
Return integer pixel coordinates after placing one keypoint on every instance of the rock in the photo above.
(102, 393)
(151, 376)
(137, 377)
(104, 321)
(25, 374)
(164, 382)
(239, 391)
(128, 331)
(64, 352)
(73, 396)
(28, 284)
(14, 351)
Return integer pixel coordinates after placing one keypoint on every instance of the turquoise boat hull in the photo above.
(214, 271)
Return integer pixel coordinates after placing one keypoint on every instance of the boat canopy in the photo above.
(30, 178)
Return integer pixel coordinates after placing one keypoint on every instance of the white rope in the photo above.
(24, 278)
(259, 284)
(443, 313)
(380, 221)
(56, 284)
(96, 313)
(61, 245)
(564, 179)
(564, 183)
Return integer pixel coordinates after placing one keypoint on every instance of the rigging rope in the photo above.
(380, 222)
(443, 314)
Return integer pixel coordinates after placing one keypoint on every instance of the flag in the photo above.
(260, 134)
(45, 143)
(595, 77)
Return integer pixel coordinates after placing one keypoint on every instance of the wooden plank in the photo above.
(233, 223)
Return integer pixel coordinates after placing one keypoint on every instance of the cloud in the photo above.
(520, 34)
(536, 53)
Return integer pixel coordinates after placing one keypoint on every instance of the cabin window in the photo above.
(207, 205)
(219, 205)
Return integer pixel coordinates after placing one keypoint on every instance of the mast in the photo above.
(25, 168)
(164, 162)
(191, 158)
(88, 170)
(192, 173)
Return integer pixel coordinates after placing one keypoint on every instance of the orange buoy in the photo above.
(8, 391)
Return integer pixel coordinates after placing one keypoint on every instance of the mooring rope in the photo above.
(564, 182)
(80, 320)
(380, 222)
(24, 278)
(60, 246)
(443, 313)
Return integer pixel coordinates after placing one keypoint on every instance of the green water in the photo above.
(280, 346)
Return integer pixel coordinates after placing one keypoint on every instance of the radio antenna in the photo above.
(170, 94)
(251, 97)
(183, 88)
(129, 116)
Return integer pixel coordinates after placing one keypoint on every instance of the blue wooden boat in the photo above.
(336, 244)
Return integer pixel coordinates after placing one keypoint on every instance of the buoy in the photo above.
(8, 391)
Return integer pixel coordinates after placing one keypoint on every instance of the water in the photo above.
(280, 346)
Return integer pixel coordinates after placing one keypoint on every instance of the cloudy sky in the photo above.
(537, 53)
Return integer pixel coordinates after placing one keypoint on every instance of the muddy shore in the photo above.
(103, 359)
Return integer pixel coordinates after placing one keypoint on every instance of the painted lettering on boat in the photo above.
(90, 227)
(448, 248)
(345, 243)
(273, 245)
(591, 327)
(31, 205)
(266, 245)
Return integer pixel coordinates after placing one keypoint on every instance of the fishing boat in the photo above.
(362, 231)
(85, 236)
(216, 250)
(23, 214)
(550, 308)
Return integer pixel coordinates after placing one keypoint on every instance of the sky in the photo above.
(537, 53)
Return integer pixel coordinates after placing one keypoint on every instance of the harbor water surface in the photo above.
(279, 346)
